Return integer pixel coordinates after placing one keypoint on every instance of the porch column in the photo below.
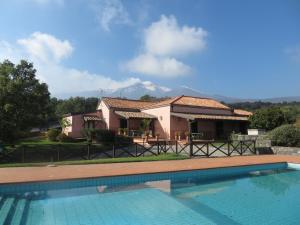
(190, 129)
(128, 126)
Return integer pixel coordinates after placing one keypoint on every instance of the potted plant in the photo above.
(187, 136)
(146, 135)
(177, 135)
(157, 136)
(120, 131)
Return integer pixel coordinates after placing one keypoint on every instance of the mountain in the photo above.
(139, 89)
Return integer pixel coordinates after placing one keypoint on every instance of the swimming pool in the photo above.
(261, 194)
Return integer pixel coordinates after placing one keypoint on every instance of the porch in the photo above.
(131, 123)
(206, 127)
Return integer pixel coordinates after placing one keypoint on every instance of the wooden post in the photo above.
(23, 153)
(228, 148)
(191, 146)
(58, 152)
(207, 149)
(241, 147)
(136, 148)
(114, 151)
(88, 151)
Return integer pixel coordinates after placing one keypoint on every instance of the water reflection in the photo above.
(277, 182)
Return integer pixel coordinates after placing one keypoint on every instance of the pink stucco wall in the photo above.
(162, 125)
(178, 124)
(77, 124)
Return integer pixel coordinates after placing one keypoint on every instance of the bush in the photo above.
(101, 135)
(120, 139)
(52, 134)
(88, 134)
(268, 118)
(64, 138)
(285, 135)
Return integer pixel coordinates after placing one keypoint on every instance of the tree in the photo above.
(268, 118)
(74, 105)
(148, 98)
(24, 101)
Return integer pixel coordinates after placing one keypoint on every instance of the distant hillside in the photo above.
(137, 90)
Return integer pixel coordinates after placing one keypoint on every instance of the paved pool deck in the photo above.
(37, 174)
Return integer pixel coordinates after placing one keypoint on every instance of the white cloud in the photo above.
(165, 41)
(110, 12)
(46, 47)
(46, 52)
(294, 53)
(153, 87)
(158, 66)
(166, 37)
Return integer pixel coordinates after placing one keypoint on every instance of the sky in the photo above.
(237, 48)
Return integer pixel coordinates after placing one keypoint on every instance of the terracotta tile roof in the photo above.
(209, 117)
(190, 101)
(241, 112)
(120, 103)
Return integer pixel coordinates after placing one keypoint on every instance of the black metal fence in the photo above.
(62, 152)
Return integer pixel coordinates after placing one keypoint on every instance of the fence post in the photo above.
(176, 147)
(88, 151)
(241, 147)
(23, 153)
(58, 147)
(136, 150)
(228, 148)
(191, 146)
(207, 149)
(158, 150)
(254, 146)
(114, 151)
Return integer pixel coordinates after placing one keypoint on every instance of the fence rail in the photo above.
(61, 152)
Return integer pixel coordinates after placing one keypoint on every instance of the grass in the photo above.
(162, 157)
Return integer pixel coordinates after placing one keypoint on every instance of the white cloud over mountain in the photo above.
(47, 52)
(156, 65)
(163, 42)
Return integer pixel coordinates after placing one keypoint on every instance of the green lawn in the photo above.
(161, 157)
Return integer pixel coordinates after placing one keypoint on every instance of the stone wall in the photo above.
(279, 150)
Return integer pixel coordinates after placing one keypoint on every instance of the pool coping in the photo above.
(21, 175)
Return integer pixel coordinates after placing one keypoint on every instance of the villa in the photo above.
(208, 117)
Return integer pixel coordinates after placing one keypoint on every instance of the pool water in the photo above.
(264, 194)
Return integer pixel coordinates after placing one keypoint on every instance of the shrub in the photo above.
(105, 136)
(268, 118)
(88, 134)
(285, 135)
(52, 134)
(121, 139)
(64, 138)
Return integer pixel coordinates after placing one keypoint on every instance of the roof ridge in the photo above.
(200, 97)
(127, 99)
(176, 99)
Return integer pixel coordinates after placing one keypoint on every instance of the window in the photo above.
(194, 127)
(89, 124)
(123, 123)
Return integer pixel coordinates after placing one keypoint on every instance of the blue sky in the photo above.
(245, 49)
